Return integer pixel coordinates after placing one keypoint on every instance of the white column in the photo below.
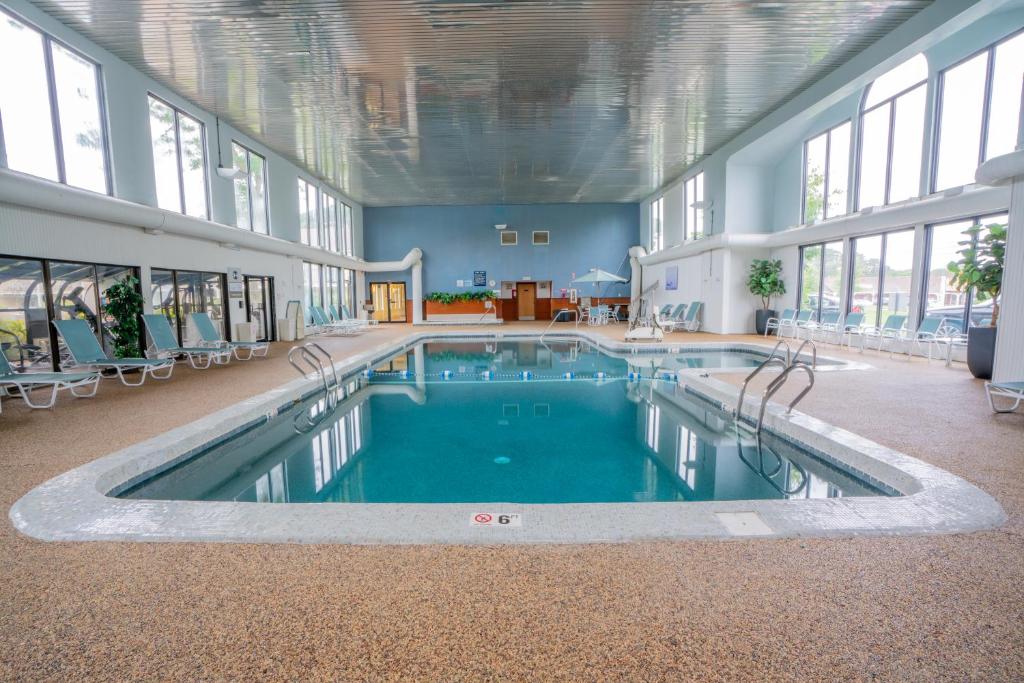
(1009, 361)
(417, 293)
(419, 367)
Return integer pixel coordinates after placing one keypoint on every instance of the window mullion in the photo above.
(51, 83)
(889, 152)
(986, 104)
(824, 195)
(177, 153)
(881, 279)
(248, 183)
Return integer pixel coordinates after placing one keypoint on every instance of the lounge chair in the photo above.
(816, 329)
(674, 315)
(690, 322)
(793, 326)
(344, 318)
(86, 352)
(347, 315)
(933, 332)
(323, 325)
(25, 382)
(891, 330)
(774, 323)
(210, 337)
(1011, 390)
(851, 326)
(664, 312)
(165, 345)
(805, 322)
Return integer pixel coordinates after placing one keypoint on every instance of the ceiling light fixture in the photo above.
(227, 172)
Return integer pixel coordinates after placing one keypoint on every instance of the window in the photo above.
(657, 225)
(941, 300)
(348, 293)
(348, 245)
(653, 427)
(309, 215)
(826, 173)
(882, 272)
(541, 237)
(687, 449)
(509, 238)
(329, 228)
(979, 109)
(693, 211)
(50, 109)
(821, 275)
(177, 293)
(179, 159)
(250, 190)
(325, 286)
(892, 135)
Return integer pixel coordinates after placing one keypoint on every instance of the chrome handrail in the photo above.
(814, 354)
(743, 390)
(777, 384)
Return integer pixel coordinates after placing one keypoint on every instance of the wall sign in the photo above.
(479, 278)
(672, 277)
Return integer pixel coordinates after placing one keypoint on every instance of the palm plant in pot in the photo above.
(980, 269)
(765, 281)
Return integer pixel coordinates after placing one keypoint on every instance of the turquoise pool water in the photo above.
(427, 426)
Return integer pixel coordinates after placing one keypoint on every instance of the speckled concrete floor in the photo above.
(911, 608)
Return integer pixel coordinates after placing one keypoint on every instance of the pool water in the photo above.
(426, 427)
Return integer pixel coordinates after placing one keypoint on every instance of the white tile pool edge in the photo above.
(74, 506)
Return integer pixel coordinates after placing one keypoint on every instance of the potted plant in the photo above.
(765, 281)
(124, 305)
(980, 269)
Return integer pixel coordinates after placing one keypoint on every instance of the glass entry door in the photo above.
(259, 305)
(388, 301)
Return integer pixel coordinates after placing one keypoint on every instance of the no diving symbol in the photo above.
(497, 519)
(483, 518)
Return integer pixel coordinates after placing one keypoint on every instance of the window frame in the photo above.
(821, 273)
(861, 113)
(49, 41)
(657, 217)
(929, 231)
(178, 111)
(828, 159)
(851, 264)
(313, 215)
(986, 108)
(249, 152)
(689, 212)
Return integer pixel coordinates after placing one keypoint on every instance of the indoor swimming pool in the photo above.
(506, 421)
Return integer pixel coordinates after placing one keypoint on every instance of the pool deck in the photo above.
(908, 607)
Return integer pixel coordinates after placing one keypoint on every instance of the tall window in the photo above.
(177, 293)
(657, 225)
(179, 159)
(821, 277)
(329, 223)
(251, 211)
(826, 173)
(348, 291)
(323, 285)
(348, 246)
(892, 135)
(309, 222)
(50, 109)
(941, 299)
(693, 211)
(979, 110)
(882, 274)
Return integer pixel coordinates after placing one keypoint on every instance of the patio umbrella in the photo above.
(598, 277)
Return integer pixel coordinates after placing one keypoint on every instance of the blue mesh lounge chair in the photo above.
(1010, 390)
(347, 315)
(674, 318)
(342, 317)
(792, 327)
(786, 318)
(25, 382)
(690, 322)
(851, 327)
(323, 325)
(821, 329)
(209, 335)
(891, 331)
(163, 344)
(86, 352)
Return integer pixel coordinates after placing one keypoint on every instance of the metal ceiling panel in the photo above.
(467, 102)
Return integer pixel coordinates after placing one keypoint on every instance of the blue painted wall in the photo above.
(456, 240)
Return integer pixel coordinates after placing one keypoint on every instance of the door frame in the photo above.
(268, 311)
(519, 316)
(405, 301)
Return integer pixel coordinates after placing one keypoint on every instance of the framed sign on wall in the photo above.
(672, 278)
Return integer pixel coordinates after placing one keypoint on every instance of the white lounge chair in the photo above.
(86, 352)
(1011, 390)
(25, 382)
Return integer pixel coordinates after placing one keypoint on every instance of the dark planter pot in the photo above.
(981, 349)
(761, 316)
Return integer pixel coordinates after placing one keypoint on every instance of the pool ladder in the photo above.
(789, 362)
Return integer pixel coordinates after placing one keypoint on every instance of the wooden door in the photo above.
(526, 293)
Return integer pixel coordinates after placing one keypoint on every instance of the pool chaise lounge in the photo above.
(86, 352)
(322, 324)
(209, 335)
(165, 345)
(1010, 390)
(689, 323)
(25, 382)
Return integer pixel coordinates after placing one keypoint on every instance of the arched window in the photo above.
(892, 134)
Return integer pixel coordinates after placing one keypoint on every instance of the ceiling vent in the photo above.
(541, 237)
(509, 238)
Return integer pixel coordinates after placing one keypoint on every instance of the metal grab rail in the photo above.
(772, 358)
(313, 354)
(814, 354)
(770, 478)
(777, 384)
(555, 320)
